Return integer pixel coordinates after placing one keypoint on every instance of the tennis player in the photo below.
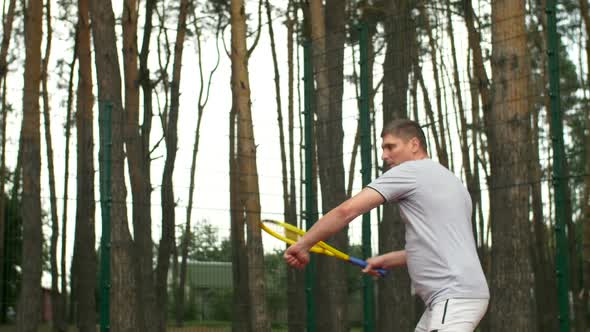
(440, 251)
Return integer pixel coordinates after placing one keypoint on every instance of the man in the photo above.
(440, 250)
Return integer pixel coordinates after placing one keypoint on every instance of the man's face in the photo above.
(396, 150)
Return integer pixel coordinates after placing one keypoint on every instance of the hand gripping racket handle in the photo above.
(362, 263)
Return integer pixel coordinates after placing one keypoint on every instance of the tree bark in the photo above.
(29, 304)
(57, 310)
(393, 294)
(248, 190)
(123, 307)
(171, 137)
(327, 35)
(84, 261)
(139, 171)
(508, 132)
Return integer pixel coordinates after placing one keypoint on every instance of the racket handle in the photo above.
(362, 263)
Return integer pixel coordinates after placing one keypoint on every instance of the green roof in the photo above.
(209, 274)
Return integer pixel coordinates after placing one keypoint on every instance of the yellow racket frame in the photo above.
(320, 248)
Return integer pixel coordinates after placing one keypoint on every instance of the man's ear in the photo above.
(415, 144)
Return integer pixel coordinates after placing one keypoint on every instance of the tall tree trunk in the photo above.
(139, 172)
(327, 35)
(84, 261)
(508, 132)
(393, 294)
(295, 291)
(123, 307)
(58, 319)
(29, 303)
(248, 190)
(64, 220)
(240, 304)
(171, 137)
(543, 264)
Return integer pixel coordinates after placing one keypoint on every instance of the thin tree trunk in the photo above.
(6, 34)
(171, 138)
(29, 304)
(428, 107)
(123, 293)
(295, 291)
(357, 133)
(64, 221)
(441, 148)
(202, 103)
(66, 306)
(476, 193)
(140, 159)
(248, 190)
(466, 158)
(84, 261)
(58, 320)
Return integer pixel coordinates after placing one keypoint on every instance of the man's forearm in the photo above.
(327, 226)
(340, 216)
(395, 259)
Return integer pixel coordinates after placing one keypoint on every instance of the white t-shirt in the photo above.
(436, 208)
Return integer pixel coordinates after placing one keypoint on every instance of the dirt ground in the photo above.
(193, 328)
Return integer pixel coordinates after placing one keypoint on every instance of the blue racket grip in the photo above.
(362, 263)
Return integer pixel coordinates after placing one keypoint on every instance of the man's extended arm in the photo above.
(297, 255)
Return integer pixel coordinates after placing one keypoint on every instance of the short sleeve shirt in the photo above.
(440, 248)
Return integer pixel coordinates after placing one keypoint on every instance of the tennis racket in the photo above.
(290, 234)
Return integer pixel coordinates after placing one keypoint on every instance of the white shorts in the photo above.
(453, 315)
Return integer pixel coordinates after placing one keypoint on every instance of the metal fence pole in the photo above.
(105, 111)
(365, 135)
(559, 181)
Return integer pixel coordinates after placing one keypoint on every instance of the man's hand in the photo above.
(297, 256)
(377, 262)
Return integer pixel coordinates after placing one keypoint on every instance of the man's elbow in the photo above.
(347, 212)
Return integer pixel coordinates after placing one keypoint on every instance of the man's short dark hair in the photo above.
(405, 129)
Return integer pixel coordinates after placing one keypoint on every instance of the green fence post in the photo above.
(364, 118)
(105, 111)
(559, 181)
(310, 198)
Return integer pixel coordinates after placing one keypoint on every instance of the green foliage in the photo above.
(204, 244)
